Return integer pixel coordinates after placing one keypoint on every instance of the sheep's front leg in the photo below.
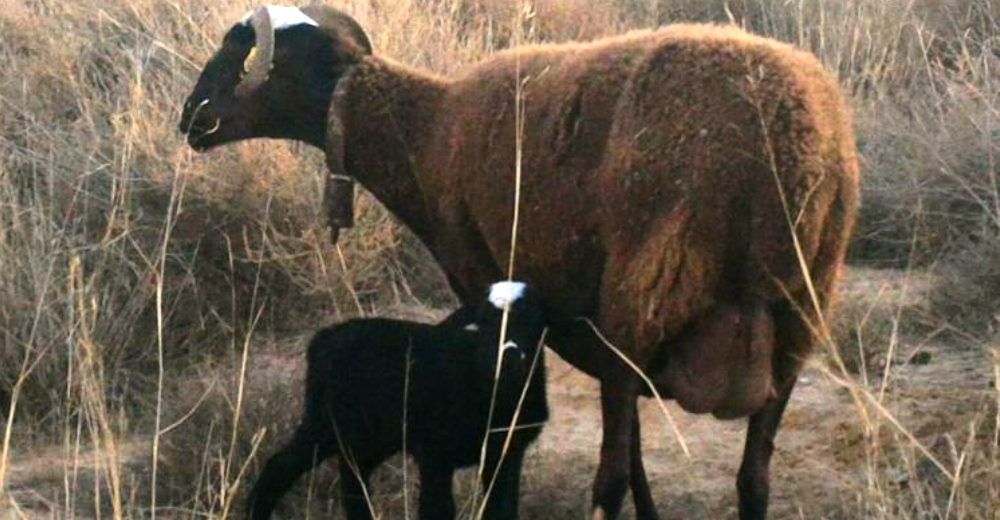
(753, 480)
(645, 508)
(618, 413)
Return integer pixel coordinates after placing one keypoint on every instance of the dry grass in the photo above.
(117, 243)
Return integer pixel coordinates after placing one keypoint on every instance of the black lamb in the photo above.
(359, 391)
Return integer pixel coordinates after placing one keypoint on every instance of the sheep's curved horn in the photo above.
(262, 55)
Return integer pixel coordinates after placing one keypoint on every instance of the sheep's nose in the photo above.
(189, 113)
(185, 122)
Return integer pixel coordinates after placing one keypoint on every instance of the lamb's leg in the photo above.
(618, 410)
(645, 508)
(300, 455)
(436, 501)
(353, 481)
(502, 504)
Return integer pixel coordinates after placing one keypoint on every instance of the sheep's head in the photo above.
(273, 76)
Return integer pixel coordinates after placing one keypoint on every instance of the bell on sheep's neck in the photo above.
(339, 204)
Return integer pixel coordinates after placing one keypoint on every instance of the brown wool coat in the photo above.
(650, 197)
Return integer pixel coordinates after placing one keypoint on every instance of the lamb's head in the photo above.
(273, 76)
(523, 310)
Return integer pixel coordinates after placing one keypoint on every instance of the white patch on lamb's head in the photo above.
(506, 293)
(472, 327)
(283, 17)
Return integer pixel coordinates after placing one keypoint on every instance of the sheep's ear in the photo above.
(358, 36)
(341, 27)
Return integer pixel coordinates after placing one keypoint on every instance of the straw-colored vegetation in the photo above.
(134, 272)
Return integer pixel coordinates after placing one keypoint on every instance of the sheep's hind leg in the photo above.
(300, 455)
(753, 480)
(618, 410)
(645, 508)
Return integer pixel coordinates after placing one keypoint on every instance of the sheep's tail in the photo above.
(822, 235)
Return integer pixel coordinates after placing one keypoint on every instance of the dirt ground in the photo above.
(819, 466)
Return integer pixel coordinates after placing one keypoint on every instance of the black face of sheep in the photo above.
(273, 71)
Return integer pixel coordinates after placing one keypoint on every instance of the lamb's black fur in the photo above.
(355, 387)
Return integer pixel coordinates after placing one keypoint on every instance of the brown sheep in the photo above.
(663, 174)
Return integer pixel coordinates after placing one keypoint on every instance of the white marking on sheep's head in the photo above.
(504, 294)
(274, 76)
(282, 17)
